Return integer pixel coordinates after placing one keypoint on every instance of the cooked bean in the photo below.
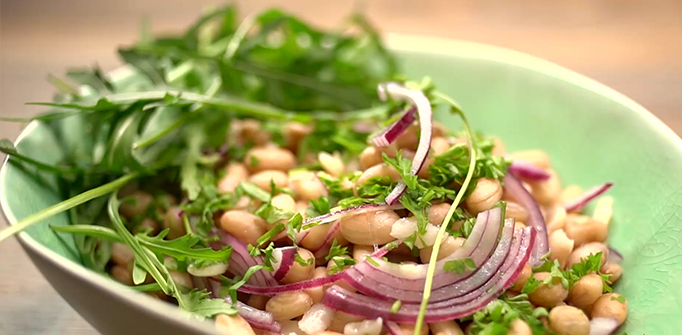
(286, 306)
(498, 147)
(341, 319)
(327, 332)
(298, 271)
(522, 278)
(316, 319)
(233, 325)
(516, 211)
(289, 327)
(409, 329)
(247, 204)
(264, 179)
(519, 327)
(294, 132)
(547, 192)
(535, 157)
(243, 225)
(307, 185)
(613, 269)
(360, 252)
(555, 218)
(284, 201)
(439, 145)
(586, 250)
(301, 207)
(235, 174)
(257, 301)
(317, 293)
(370, 156)
(365, 327)
(568, 320)
(450, 245)
(438, 212)
(519, 225)
(139, 204)
(121, 274)
(250, 131)
(369, 228)
(316, 236)
(583, 229)
(445, 328)
(270, 158)
(173, 221)
(570, 193)
(604, 210)
(610, 305)
(486, 194)
(545, 295)
(332, 164)
(560, 246)
(121, 254)
(586, 291)
(381, 170)
(147, 225)
(408, 139)
(182, 278)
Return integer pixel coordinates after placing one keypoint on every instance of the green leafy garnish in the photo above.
(497, 316)
(336, 250)
(459, 266)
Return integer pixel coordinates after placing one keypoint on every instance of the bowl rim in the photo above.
(415, 43)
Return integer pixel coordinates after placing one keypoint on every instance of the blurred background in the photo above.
(634, 46)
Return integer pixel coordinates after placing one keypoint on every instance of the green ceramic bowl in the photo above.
(592, 133)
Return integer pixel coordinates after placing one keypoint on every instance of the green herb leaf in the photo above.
(254, 191)
(336, 250)
(396, 306)
(459, 266)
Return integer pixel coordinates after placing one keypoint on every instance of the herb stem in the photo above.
(443, 228)
(66, 205)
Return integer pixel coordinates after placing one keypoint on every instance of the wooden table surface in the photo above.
(632, 46)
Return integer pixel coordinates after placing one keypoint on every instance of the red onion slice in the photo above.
(397, 192)
(255, 317)
(284, 260)
(303, 285)
(614, 256)
(390, 134)
(242, 258)
(603, 326)
(589, 195)
(535, 218)
(378, 288)
(525, 170)
(479, 246)
(397, 91)
(356, 304)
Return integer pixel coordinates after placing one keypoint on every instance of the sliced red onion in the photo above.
(479, 246)
(365, 306)
(397, 192)
(614, 256)
(284, 260)
(589, 195)
(255, 317)
(408, 295)
(525, 170)
(422, 104)
(390, 134)
(393, 328)
(603, 326)
(303, 285)
(243, 261)
(535, 218)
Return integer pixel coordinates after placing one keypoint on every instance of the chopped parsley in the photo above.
(459, 266)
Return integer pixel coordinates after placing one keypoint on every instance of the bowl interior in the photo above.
(592, 133)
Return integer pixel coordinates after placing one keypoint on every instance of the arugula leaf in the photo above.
(199, 303)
